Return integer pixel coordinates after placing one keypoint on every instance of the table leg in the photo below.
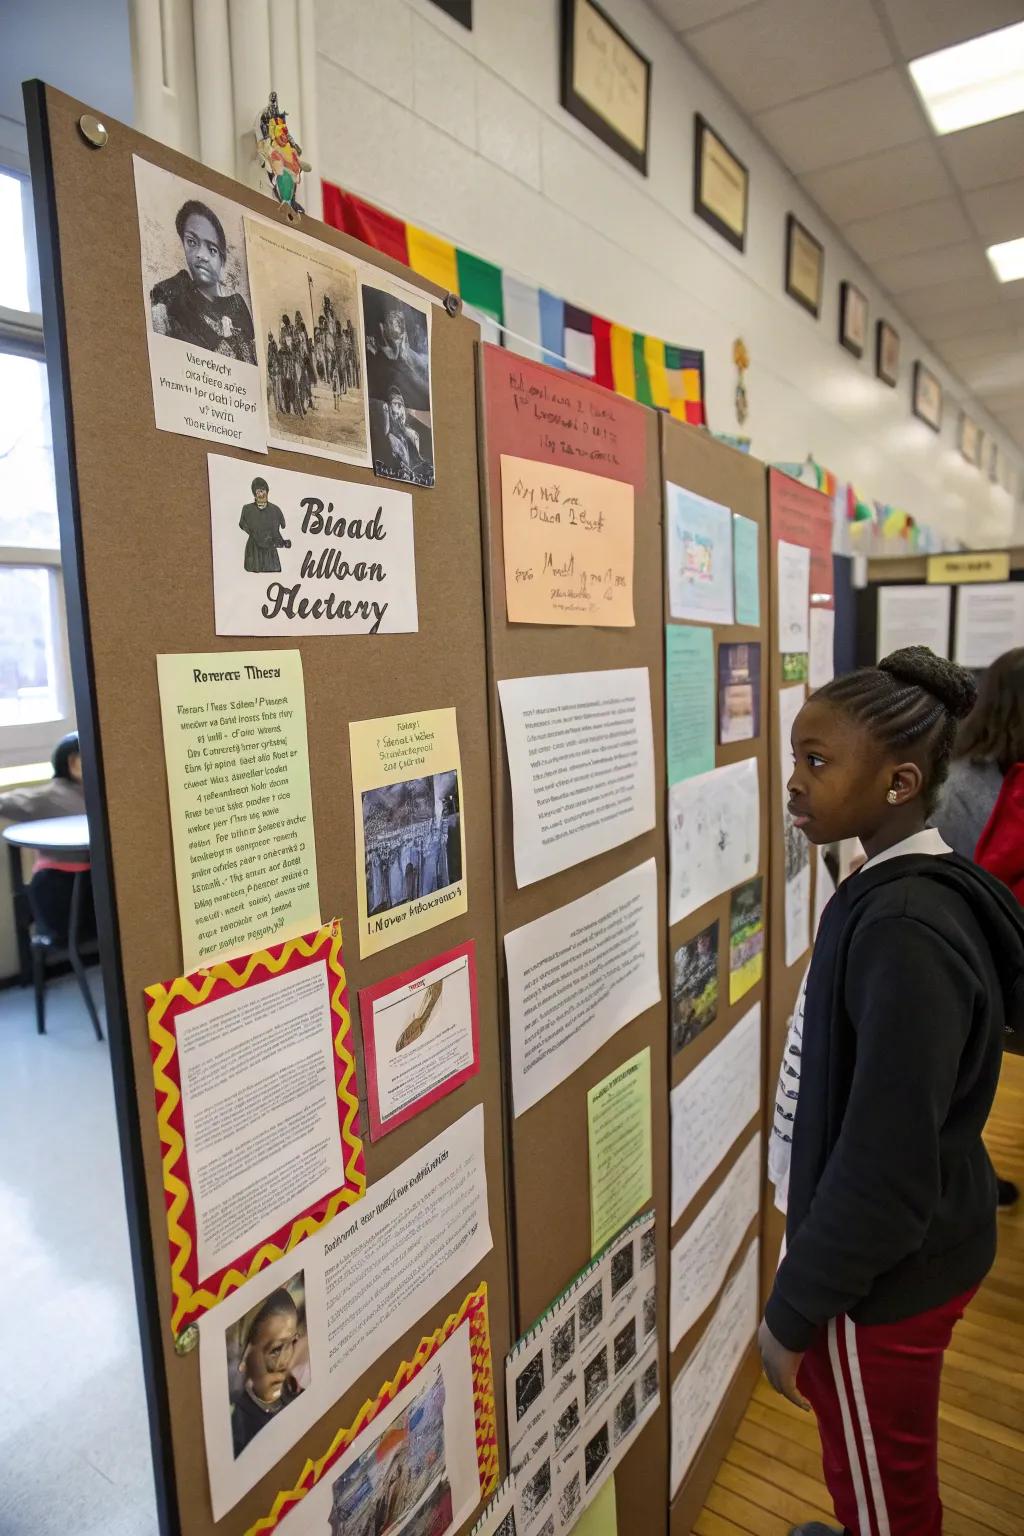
(22, 915)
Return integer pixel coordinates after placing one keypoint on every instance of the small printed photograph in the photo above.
(596, 1454)
(746, 938)
(648, 1248)
(624, 1346)
(268, 1360)
(412, 840)
(508, 1525)
(795, 667)
(537, 1489)
(625, 1413)
(567, 1423)
(739, 692)
(400, 1482)
(565, 1383)
(591, 1310)
(649, 1383)
(310, 344)
(570, 1498)
(548, 1528)
(529, 1384)
(398, 382)
(563, 1343)
(694, 986)
(650, 1320)
(622, 1267)
(595, 1377)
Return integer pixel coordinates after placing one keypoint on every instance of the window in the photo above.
(35, 687)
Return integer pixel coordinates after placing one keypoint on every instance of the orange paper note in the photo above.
(568, 540)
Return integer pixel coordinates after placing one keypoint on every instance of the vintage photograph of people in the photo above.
(398, 381)
(310, 344)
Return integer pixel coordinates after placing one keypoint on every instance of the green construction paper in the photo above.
(599, 1518)
(619, 1129)
(746, 577)
(480, 285)
(689, 700)
(643, 382)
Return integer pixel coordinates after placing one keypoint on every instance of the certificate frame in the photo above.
(706, 205)
(580, 107)
(853, 318)
(926, 399)
(887, 353)
(969, 439)
(802, 246)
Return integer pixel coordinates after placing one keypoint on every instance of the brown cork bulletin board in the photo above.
(135, 532)
(549, 1179)
(692, 459)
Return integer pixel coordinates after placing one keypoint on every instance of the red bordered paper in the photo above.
(433, 1008)
(167, 1003)
(473, 1315)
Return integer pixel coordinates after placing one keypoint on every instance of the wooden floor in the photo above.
(771, 1478)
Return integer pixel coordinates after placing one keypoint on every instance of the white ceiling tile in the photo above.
(943, 298)
(681, 14)
(994, 376)
(903, 231)
(923, 26)
(1007, 401)
(780, 50)
(845, 123)
(991, 152)
(875, 184)
(959, 322)
(961, 350)
(998, 212)
(944, 264)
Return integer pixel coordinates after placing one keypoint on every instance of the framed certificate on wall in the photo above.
(720, 185)
(606, 82)
(927, 398)
(805, 265)
(887, 353)
(853, 319)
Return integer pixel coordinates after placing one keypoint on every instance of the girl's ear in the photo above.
(906, 784)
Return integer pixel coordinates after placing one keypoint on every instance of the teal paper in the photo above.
(745, 571)
(690, 701)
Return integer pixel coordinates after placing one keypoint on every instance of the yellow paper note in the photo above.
(234, 725)
(619, 1128)
(568, 539)
(599, 1518)
(410, 838)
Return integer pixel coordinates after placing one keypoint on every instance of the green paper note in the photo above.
(619, 1128)
(689, 701)
(745, 570)
(599, 1518)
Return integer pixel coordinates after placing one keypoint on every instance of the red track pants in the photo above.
(875, 1391)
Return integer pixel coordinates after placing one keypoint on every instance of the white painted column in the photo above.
(214, 86)
(309, 130)
(249, 22)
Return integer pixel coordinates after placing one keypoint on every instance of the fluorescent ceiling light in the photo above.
(973, 82)
(1008, 260)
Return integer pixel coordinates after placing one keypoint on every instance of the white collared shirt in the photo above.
(928, 841)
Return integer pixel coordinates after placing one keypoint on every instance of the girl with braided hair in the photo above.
(917, 973)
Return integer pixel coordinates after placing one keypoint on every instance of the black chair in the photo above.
(48, 949)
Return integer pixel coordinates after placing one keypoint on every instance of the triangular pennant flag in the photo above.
(365, 222)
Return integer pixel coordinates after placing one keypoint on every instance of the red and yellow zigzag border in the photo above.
(194, 1294)
(473, 1312)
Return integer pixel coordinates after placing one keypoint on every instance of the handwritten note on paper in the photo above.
(568, 539)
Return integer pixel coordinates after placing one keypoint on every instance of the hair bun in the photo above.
(953, 686)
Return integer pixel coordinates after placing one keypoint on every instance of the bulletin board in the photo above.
(965, 570)
(797, 515)
(135, 532)
(694, 461)
(548, 1179)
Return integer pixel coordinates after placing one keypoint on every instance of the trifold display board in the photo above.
(716, 633)
(801, 649)
(318, 1185)
(575, 645)
(968, 606)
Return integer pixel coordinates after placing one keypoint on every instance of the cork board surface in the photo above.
(549, 1176)
(142, 531)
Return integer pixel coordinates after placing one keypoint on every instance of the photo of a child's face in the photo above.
(268, 1360)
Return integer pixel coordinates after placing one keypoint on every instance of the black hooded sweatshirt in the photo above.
(918, 971)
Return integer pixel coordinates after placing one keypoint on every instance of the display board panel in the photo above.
(135, 518)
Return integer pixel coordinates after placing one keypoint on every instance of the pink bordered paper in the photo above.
(421, 1037)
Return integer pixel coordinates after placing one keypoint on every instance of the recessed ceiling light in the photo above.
(973, 82)
(1008, 260)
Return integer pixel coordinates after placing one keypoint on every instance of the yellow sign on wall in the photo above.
(961, 568)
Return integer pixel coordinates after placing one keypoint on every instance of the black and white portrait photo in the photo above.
(398, 381)
(591, 1310)
(596, 1454)
(595, 1377)
(622, 1267)
(529, 1384)
(263, 524)
(412, 840)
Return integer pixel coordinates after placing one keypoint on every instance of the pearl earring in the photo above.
(893, 796)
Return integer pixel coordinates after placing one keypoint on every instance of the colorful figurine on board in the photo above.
(280, 156)
(741, 357)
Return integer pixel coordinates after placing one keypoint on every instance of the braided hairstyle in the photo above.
(911, 699)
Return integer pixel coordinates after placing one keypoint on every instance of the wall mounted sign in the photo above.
(853, 319)
(958, 569)
(887, 353)
(927, 398)
(805, 265)
(721, 185)
(606, 82)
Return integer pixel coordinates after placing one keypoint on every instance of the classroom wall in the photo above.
(461, 132)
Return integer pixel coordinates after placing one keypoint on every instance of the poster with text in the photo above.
(793, 574)
(797, 848)
(712, 1106)
(396, 323)
(410, 836)
(703, 1254)
(700, 573)
(694, 986)
(568, 542)
(619, 1140)
(689, 701)
(199, 322)
(301, 554)
(739, 692)
(421, 1037)
(258, 1111)
(746, 938)
(800, 514)
(234, 729)
(309, 338)
(714, 824)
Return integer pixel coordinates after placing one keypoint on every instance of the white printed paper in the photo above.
(989, 621)
(712, 1106)
(701, 1257)
(364, 1279)
(576, 976)
(302, 554)
(701, 1385)
(714, 835)
(821, 663)
(797, 848)
(913, 616)
(794, 581)
(581, 764)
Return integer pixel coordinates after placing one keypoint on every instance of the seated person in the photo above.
(49, 892)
